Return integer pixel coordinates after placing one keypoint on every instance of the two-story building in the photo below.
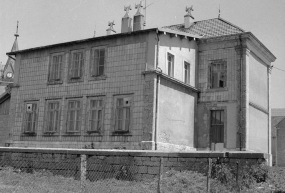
(197, 85)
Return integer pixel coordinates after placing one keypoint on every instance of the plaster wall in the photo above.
(258, 86)
(281, 144)
(230, 125)
(258, 132)
(176, 115)
(125, 61)
(183, 50)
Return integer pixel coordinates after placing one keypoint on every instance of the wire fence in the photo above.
(30, 172)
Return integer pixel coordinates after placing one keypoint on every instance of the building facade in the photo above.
(196, 86)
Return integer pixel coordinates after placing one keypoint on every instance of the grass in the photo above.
(173, 181)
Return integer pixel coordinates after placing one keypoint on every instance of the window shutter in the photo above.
(210, 76)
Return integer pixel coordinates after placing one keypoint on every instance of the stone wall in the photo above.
(120, 164)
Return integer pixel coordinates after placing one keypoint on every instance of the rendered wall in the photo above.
(176, 116)
(280, 150)
(126, 58)
(258, 132)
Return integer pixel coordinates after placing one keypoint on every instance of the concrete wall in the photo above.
(125, 61)
(176, 116)
(258, 132)
(183, 50)
(4, 120)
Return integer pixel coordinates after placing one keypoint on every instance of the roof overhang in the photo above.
(4, 97)
(157, 30)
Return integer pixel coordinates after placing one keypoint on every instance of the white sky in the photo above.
(45, 22)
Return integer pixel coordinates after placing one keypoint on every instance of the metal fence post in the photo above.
(209, 174)
(83, 164)
(160, 176)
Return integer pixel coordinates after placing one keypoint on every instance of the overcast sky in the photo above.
(44, 22)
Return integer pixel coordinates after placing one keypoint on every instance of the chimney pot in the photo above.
(126, 21)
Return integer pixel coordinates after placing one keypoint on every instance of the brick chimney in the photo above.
(111, 30)
(126, 21)
(188, 18)
(138, 18)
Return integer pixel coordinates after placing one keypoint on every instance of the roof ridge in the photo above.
(230, 23)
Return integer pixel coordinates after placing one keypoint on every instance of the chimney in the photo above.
(138, 18)
(126, 21)
(188, 17)
(111, 30)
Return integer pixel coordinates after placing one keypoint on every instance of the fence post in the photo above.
(209, 174)
(237, 176)
(83, 164)
(160, 175)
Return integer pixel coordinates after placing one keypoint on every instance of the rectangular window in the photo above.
(55, 69)
(73, 116)
(31, 113)
(97, 62)
(95, 115)
(217, 126)
(123, 114)
(170, 64)
(186, 72)
(53, 116)
(218, 74)
(77, 65)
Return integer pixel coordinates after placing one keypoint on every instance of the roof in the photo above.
(4, 97)
(209, 28)
(275, 121)
(280, 112)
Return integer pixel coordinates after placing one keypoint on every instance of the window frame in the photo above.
(188, 81)
(124, 108)
(170, 71)
(78, 115)
(92, 61)
(34, 121)
(61, 68)
(81, 72)
(89, 111)
(210, 74)
(47, 116)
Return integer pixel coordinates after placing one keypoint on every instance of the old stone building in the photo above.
(194, 86)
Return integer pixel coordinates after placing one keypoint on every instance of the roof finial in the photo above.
(188, 10)
(219, 12)
(16, 34)
(127, 9)
(138, 7)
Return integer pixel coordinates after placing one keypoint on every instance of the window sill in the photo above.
(68, 134)
(48, 134)
(74, 80)
(29, 134)
(91, 132)
(120, 133)
(54, 82)
(94, 78)
(217, 89)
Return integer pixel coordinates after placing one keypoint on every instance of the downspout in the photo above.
(157, 89)
(269, 115)
(241, 98)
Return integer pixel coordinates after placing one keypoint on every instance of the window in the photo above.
(31, 112)
(123, 114)
(73, 116)
(53, 117)
(218, 74)
(55, 69)
(186, 72)
(77, 65)
(95, 115)
(170, 64)
(97, 62)
(217, 126)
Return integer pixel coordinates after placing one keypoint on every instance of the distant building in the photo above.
(278, 136)
(195, 86)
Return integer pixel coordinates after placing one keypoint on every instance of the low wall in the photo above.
(120, 164)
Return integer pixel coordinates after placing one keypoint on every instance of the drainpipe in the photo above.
(241, 98)
(157, 89)
(269, 115)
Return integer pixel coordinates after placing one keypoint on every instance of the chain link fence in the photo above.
(64, 172)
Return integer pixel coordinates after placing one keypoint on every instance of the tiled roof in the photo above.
(278, 112)
(208, 28)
